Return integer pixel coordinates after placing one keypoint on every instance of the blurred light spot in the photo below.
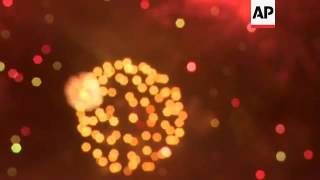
(281, 156)
(250, 28)
(7, 3)
(86, 147)
(180, 23)
(215, 11)
(5, 34)
(25, 131)
(19, 78)
(215, 123)
(15, 139)
(36, 82)
(260, 174)
(12, 73)
(57, 65)
(49, 18)
(148, 166)
(280, 129)
(2, 66)
(37, 59)
(308, 154)
(12, 172)
(235, 102)
(191, 66)
(46, 49)
(144, 4)
(115, 167)
(16, 148)
(83, 92)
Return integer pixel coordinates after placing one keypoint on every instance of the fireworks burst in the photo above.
(138, 123)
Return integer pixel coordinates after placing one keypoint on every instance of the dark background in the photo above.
(274, 72)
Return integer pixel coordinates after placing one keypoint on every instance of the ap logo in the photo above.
(263, 13)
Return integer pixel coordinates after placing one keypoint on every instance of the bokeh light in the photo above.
(49, 18)
(148, 100)
(12, 172)
(308, 154)
(5, 34)
(46, 49)
(235, 102)
(144, 4)
(19, 78)
(57, 65)
(250, 29)
(13, 73)
(215, 123)
(7, 3)
(83, 92)
(36, 82)
(280, 129)
(16, 148)
(260, 174)
(180, 23)
(2, 66)
(191, 66)
(25, 131)
(37, 59)
(281, 156)
(15, 139)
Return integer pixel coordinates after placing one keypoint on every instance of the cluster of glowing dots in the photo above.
(151, 122)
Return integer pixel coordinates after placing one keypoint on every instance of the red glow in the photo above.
(260, 174)
(25, 131)
(19, 78)
(191, 66)
(7, 3)
(46, 49)
(144, 4)
(235, 102)
(280, 129)
(37, 59)
(308, 154)
(13, 73)
(251, 29)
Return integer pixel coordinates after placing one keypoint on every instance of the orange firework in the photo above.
(138, 123)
